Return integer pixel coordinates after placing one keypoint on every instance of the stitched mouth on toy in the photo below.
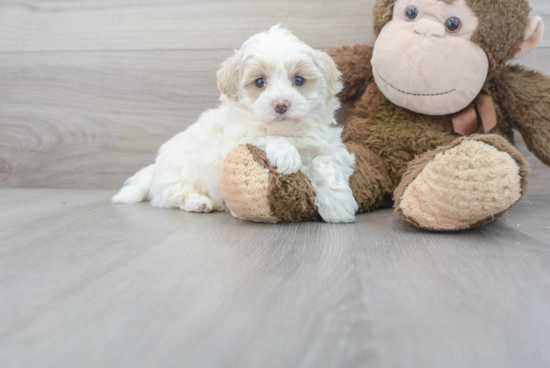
(416, 94)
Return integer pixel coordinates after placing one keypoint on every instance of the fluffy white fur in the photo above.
(305, 137)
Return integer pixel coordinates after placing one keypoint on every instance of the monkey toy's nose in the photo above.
(429, 28)
(281, 106)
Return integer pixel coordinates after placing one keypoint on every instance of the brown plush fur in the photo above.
(525, 98)
(392, 145)
(291, 197)
(265, 195)
(386, 138)
(356, 69)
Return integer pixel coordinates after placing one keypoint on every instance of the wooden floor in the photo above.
(84, 283)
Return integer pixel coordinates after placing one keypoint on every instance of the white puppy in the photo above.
(278, 94)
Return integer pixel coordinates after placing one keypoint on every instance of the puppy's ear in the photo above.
(328, 68)
(229, 76)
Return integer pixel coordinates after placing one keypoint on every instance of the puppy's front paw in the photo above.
(284, 157)
(334, 197)
(197, 203)
(343, 213)
(338, 206)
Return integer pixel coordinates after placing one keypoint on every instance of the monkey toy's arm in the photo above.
(524, 96)
(354, 64)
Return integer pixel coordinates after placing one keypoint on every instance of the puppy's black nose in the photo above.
(281, 106)
(281, 109)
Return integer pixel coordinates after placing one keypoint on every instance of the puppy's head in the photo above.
(279, 79)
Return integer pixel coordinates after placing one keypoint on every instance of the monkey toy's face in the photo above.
(424, 59)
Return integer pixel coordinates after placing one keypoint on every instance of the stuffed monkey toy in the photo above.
(433, 109)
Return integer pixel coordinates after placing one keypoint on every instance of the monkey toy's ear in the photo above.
(533, 35)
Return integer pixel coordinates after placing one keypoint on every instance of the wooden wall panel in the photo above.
(183, 24)
(176, 24)
(89, 119)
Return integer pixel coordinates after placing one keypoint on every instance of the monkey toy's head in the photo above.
(434, 56)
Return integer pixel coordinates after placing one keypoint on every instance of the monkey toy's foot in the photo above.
(467, 184)
(254, 191)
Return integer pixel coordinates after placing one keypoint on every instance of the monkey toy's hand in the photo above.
(354, 64)
(524, 95)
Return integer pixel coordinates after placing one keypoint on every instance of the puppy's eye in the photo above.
(453, 25)
(260, 83)
(412, 12)
(299, 81)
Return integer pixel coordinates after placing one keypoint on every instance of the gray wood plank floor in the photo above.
(84, 283)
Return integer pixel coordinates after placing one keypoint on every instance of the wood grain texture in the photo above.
(90, 119)
(93, 25)
(176, 24)
(184, 24)
(89, 284)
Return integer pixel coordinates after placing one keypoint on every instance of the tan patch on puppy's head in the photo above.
(229, 75)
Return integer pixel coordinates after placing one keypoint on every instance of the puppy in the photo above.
(277, 94)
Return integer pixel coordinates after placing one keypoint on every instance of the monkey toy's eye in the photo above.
(260, 83)
(453, 25)
(299, 81)
(412, 12)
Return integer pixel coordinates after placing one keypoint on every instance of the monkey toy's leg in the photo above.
(469, 183)
(254, 191)
(371, 183)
